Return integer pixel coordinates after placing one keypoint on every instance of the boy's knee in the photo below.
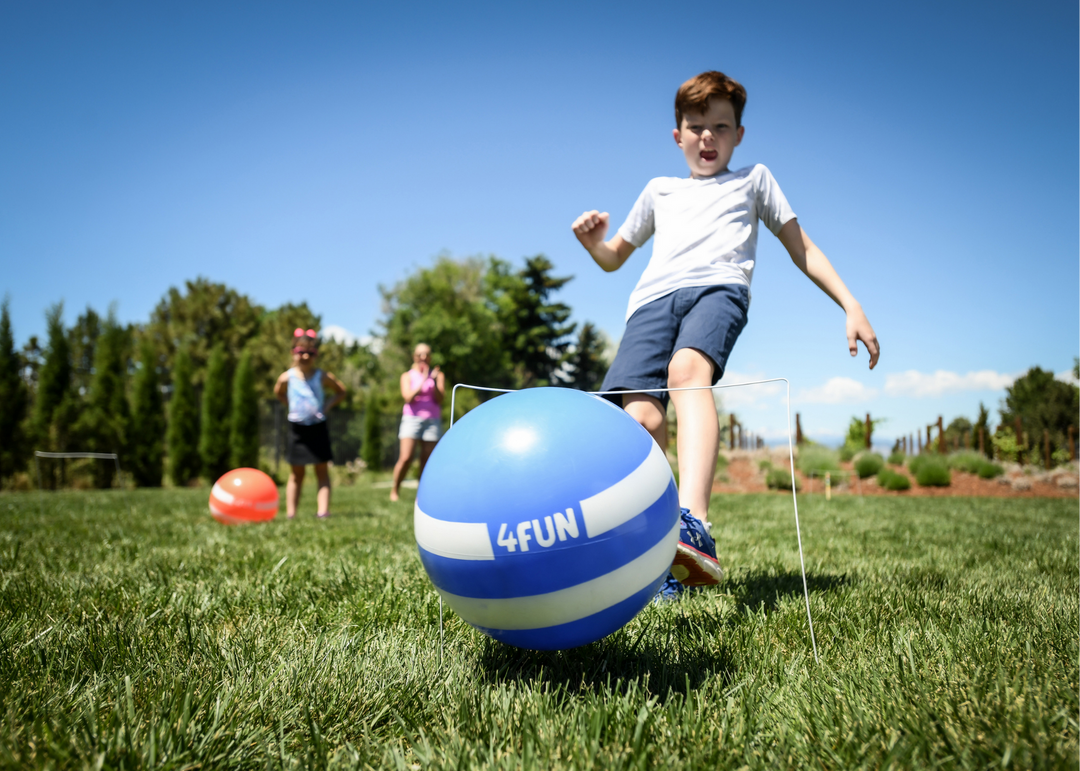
(690, 367)
(298, 473)
(646, 410)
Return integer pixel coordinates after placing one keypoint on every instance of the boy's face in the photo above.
(709, 140)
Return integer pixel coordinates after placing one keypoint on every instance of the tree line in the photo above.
(180, 396)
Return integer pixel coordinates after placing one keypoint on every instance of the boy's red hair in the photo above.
(694, 95)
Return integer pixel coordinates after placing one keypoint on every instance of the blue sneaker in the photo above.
(669, 591)
(695, 554)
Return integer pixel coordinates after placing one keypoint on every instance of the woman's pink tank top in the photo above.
(423, 406)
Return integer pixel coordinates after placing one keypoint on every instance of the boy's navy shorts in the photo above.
(708, 318)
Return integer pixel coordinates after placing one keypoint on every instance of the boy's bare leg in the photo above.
(292, 490)
(322, 473)
(649, 412)
(699, 429)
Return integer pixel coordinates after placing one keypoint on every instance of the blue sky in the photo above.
(314, 151)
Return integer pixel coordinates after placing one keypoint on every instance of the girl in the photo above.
(422, 388)
(301, 389)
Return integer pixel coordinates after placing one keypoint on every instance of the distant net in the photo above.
(62, 456)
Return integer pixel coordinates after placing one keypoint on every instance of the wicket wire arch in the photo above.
(791, 460)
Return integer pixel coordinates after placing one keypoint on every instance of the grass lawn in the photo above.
(137, 632)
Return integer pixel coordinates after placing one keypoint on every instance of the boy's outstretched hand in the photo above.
(858, 328)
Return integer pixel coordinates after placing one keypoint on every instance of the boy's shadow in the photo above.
(757, 589)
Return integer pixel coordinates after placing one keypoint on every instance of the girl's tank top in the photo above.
(306, 397)
(424, 405)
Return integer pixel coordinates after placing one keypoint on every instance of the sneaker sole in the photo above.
(694, 568)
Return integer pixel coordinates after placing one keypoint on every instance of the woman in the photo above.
(422, 388)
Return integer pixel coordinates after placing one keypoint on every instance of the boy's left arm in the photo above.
(813, 262)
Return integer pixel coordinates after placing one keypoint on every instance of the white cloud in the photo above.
(1066, 376)
(744, 397)
(837, 390)
(920, 385)
(345, 337)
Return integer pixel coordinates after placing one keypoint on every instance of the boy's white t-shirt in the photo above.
(706, 229)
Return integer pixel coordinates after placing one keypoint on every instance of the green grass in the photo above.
(137, 632)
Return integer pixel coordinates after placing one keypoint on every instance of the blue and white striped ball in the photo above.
(547, 518)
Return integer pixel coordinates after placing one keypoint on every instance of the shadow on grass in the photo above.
(670, 654)
(618, 663)
(762, 588)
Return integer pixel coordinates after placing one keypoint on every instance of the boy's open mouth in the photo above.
(708, 155)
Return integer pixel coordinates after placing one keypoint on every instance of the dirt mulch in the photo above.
(742, 476)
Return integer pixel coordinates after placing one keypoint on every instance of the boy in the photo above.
(691, 302)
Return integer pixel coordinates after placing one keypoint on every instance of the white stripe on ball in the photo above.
(573, 603)
(628, 497)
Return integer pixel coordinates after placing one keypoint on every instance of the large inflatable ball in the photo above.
(242, 496)
(547, 518)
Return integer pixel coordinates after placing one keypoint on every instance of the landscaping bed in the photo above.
(743, 475)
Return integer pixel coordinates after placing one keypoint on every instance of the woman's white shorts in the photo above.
(415, 427)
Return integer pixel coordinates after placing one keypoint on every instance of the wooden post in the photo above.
(940, 436)
(869, 428)
(1072, 447)
(919, 437)
(731, 432)
(903, 445)
(1046, 448)
(982, 440)
(1019, 440)
(798, 430)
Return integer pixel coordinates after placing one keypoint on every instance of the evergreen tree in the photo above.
(214, 422)
(103, 424)
(588, 363)
(984, 423)
(183, 432)
(533, 326)
(54, 384)
(371, 449)
(147, 432)
(14, 399)
(82, 339)
(244, 430)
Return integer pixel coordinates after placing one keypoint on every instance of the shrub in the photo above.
(780, 479)
(817, 459)
(897, 458)
(967, 460)
(893, 480)
(868, 464)
(931, 471)
(764, 465)
(988, 470)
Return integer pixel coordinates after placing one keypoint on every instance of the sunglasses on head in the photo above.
(300, 351)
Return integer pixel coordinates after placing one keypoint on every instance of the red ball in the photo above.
(242, 496)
